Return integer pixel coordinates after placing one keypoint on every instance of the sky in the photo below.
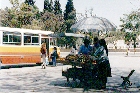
(112, 10)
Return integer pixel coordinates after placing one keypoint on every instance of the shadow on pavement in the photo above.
(18, 66)
(113, 85)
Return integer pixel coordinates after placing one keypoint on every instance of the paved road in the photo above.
(50, 80)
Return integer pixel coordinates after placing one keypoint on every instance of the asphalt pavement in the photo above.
(50, 80)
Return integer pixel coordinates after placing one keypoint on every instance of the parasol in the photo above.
(93, 24)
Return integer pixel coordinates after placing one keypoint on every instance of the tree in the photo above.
(132, 23)
(36, 25)
(57, 7)
(53, 22)
(70, 19)
(4, 15)
(8, 17)
(48, 6)
(51, 8)
(30, 2)
(69, 15)
(58, 12)
(20, 16)
(114, 36)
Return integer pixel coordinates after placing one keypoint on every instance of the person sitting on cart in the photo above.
(86, 48)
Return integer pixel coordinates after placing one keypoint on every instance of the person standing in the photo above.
(103, 43)
(43, 54)
(127, 50)
(101, 56)
(54, 56)
(96, 44)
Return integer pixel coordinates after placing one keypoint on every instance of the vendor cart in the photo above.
(84, 69)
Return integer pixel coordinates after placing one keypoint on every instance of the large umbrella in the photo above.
(93, 24)
(59, 35)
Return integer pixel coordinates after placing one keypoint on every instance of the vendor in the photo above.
(86, 48)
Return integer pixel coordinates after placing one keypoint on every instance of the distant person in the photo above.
(43, 54)
(86, 48)
(28, 40)
(127, 50)
(73, 50)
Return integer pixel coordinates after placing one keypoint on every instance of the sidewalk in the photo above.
(50, 80)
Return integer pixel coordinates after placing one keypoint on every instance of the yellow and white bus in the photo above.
(23, 45)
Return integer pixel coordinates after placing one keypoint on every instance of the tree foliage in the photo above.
(57, 7)
(30, 2)
(48, 6)
(19, 15)
(69, 15)
(70, 19)
(52, 22)
(131, 21)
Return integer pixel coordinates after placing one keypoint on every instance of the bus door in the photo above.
(46, 40)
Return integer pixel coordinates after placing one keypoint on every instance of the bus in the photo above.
(19, 45)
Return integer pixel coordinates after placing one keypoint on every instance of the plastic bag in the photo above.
(47, 61)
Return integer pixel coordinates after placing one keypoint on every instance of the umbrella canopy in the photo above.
(59, 35)
(93, 24)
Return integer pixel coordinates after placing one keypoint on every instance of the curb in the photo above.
(8, 66)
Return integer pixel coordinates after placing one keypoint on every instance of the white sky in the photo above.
(109, 9)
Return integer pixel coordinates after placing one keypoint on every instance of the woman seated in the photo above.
(86, 48)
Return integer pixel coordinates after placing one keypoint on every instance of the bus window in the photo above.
(31, 39)
(5, 38)
(12, 38)
(35, 40)
(27, 39)
(53, 41)
(17, 39)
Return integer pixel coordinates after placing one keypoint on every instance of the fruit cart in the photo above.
(84, 69)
